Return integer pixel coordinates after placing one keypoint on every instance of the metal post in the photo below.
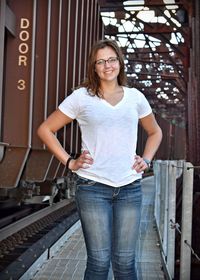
(162, 199)
(166, 207)
(171, 217)
(186, 224)
(156, 168)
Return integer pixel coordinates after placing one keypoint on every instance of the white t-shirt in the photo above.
(109, 133)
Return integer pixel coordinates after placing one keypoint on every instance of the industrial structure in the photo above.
(44, 46)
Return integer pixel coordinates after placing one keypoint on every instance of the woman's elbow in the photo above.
(41, 130)
(159, 134)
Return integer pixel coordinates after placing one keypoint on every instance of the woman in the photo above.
(108, 194)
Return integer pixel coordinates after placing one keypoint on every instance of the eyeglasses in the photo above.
(110, 60)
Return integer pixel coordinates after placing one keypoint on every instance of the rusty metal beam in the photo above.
(107, 6)
(175, 56)
(7, 20)
(2, 35)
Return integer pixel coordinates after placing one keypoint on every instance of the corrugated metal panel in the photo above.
(173, 145)
(45, 61)
(53, 67)
(17, 95)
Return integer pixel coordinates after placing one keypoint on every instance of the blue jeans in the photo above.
(110, 220)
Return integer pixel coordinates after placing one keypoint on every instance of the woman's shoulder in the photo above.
(80, 91)
(77, 93)
(132, 92)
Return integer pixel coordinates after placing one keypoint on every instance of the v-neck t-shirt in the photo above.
(108, 132)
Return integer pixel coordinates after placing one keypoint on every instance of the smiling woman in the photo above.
(108, 194)
(107, 68)
(104, 50)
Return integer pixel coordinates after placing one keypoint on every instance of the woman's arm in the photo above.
(154, 138)
(46, 132)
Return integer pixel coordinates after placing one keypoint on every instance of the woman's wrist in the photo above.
(148, 162)
(68, 163)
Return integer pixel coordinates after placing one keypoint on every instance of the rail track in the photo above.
(23, 242)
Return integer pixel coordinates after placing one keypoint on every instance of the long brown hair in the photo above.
(92, 82)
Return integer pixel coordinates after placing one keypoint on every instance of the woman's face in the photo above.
(107, 65)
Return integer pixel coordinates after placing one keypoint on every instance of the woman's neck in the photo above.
(112, 95)
(110, 89)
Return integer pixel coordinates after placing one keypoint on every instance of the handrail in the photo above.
(166, 172)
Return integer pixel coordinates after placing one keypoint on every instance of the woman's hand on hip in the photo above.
(83, 161)
(139, 164)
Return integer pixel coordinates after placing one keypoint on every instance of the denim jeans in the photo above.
(110, 220)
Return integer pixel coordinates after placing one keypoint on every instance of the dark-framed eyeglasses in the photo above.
(110, 60)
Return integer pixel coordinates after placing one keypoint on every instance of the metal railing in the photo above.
(166, 175)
